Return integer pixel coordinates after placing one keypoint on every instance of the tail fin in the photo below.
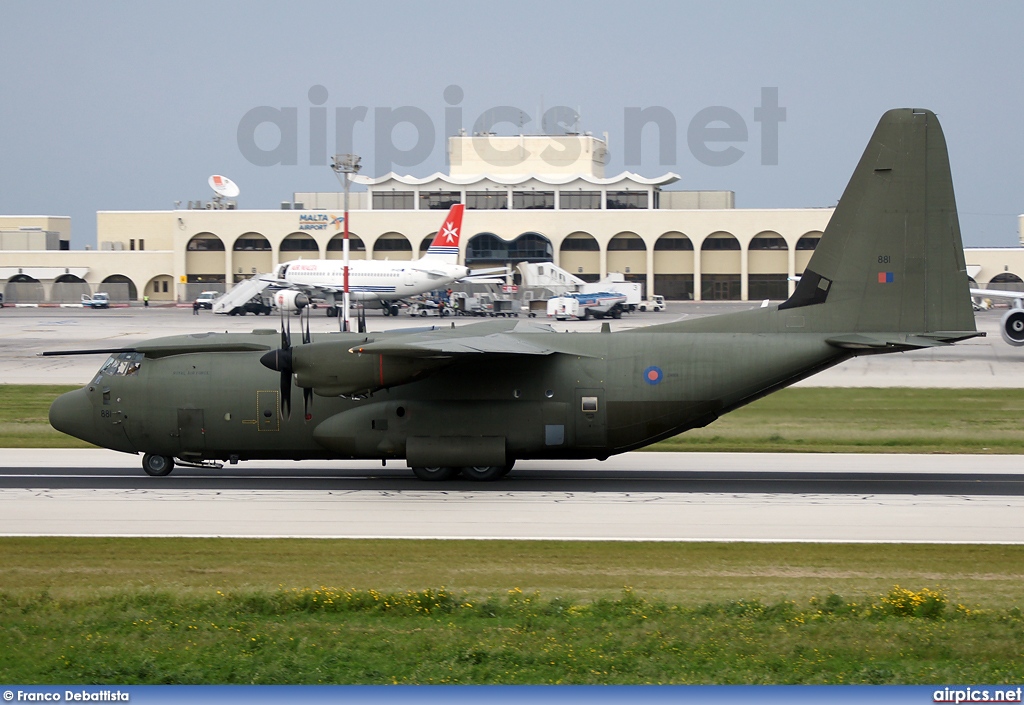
(891, 258)
(445, 246)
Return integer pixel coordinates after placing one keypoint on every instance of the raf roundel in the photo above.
(653, 375)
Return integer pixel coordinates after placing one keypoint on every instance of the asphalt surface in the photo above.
(636, 496)
(654, 496)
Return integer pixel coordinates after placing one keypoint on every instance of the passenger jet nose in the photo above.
(72, 413)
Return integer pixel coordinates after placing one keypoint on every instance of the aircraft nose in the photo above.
(72, 413)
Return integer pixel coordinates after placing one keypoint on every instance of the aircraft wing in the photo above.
(436, 273)
(491, 337)
(476, 275)
(998, 294)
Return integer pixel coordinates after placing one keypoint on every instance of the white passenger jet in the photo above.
(382, 280)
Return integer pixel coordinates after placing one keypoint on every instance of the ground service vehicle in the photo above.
(98, 300)
(206, 299)
(655, 303)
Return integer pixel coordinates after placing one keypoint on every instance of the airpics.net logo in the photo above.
(715, 136)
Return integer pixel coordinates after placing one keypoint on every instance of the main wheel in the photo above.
(483, 473)
(394, 310)
(435, 474)
(157, 465)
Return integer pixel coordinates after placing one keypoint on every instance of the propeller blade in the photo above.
(286, 393)
(307, 402)
(307, 336)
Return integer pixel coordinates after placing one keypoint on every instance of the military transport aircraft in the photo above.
(888, 275)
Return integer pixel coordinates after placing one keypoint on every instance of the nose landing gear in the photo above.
(157, 465)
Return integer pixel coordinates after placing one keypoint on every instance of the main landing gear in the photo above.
(478, 473)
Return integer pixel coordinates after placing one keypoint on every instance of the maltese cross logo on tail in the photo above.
(449, 233)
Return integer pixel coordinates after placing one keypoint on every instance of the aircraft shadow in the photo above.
(639, 481)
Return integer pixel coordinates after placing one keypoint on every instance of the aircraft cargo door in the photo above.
(591, 427)
(191, 432)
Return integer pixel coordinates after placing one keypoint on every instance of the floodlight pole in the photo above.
(345, 166)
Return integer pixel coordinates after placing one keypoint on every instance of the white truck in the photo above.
(616, 283)
(600, 304)
(655, 303)
(98, 300)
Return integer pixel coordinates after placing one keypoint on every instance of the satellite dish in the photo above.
(223, 186)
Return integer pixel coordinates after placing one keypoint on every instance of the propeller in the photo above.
(307, 393)
(285, 363)
(280, 360)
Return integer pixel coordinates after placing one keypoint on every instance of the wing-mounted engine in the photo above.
(290, 300)
(333, 368)
(1012, 327)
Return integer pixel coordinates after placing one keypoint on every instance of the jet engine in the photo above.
(289, 300)
(1012, 327)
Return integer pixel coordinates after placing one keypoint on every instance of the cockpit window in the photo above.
(122, 364)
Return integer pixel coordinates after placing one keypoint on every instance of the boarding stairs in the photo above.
(241, 293)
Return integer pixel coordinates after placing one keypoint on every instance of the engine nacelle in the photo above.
(290, 300)
(1012, 327)
(329, 369)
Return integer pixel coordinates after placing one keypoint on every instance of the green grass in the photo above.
(867, 420)
(24, 417)
(241, 611)
(859, 420)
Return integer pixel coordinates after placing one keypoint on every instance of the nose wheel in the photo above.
(157, 465)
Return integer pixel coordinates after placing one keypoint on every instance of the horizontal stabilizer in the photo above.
(899, 341)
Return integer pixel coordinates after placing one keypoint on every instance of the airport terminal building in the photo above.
(528, 198)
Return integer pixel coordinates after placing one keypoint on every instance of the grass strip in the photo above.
(24, 417)
(148, 610)
(441, 636)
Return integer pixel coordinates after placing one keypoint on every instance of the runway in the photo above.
(636, 496)
(651, 496)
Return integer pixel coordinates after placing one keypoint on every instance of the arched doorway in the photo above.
(23, 289)
(580, 254)
(120, 288)
(251, 253)
(204, 263)
(720, 268)
(489, 250)
(160, 288)
(300, 246)
(805, 247)
(336, 247)
(486, 249)
(627, 254)
(673, 266)
(393, 246)
(768, 267)
(68, 289)
(425, 243)
(1006, 281)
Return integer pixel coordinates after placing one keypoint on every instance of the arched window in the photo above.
(205, 242)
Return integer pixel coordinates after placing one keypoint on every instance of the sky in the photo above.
(132, 106)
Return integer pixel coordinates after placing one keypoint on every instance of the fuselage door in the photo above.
(591, 427)
(267, 405)
(191, 431)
